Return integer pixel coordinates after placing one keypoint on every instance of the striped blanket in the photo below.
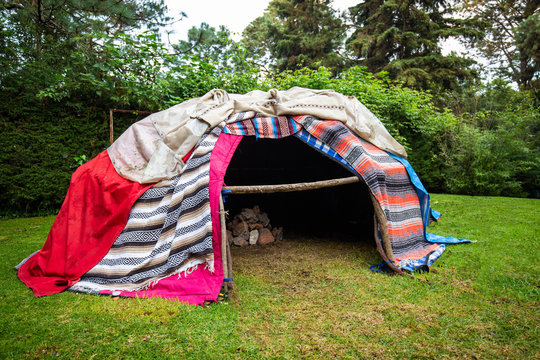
(386, 177)
(388, 181)
(266, 127)
(169, 231)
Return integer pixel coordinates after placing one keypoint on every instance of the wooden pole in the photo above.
(268, 189)
(136, 112)
(230, 284)
(111, 126)
(223, 224)
(383, 228)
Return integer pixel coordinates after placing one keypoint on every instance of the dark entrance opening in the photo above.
(334, 211)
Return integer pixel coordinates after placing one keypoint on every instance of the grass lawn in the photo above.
(307, 298)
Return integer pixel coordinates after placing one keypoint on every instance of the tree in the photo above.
(296, 33)
(209, 45)
(512, 29)
(402, 37)
(56, 84)
(39, 37)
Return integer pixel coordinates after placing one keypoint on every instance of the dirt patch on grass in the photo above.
(303, 255)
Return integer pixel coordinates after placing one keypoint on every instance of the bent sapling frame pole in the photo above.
(225, 251)
(269, 189)
(111, 119)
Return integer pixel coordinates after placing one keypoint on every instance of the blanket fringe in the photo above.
(178, 272)
(210, 267)
(185, 271)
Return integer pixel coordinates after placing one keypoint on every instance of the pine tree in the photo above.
(209, 45)
(511, 44)
(40, 37)
(403, 38)
(296, 33)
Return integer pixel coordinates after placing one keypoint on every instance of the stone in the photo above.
(239, 241)
(253, 237)
(248, 216)
(263, 219)
(265, 237)
(256, 226)
(229, 236)
(278, 233)
(240, 229)
(256, 210)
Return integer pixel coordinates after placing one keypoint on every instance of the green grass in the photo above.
(307, 298)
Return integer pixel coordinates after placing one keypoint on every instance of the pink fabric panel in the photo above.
(201, 284)
(219, 161)
(193, 289)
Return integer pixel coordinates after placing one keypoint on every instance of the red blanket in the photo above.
(94, 213)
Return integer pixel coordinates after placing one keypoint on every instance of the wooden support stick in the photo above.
(268, 189)
(230, 284)
(137, 112)
(383, 227)
(111, 126)
(223, 238)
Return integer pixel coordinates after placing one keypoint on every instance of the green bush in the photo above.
(497, 152)
(494, 151)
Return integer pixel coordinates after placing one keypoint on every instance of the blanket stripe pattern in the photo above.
(322, 148)
(264, 127)
(385, 176)
(169, 230)
(389, 182)
(288, 126)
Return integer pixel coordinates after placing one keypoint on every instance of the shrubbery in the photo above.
(493, 151)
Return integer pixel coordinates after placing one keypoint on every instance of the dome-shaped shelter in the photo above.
(144, 218)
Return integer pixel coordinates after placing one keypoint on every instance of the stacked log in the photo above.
(252, 227)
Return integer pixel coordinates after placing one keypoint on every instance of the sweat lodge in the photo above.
(145, 217)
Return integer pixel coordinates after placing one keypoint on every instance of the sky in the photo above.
(234, 14)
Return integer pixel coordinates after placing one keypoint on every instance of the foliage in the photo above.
(206, 44)
(39, 38)
(494, 150)
(55, 82)
(404, 38)
(128, 71)
(79, 160)
(58, 85)
(296, 33)
(44, 137)
(63, 67)
(306, 298)
(35, 171)
(512, 30)
(527, 34)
